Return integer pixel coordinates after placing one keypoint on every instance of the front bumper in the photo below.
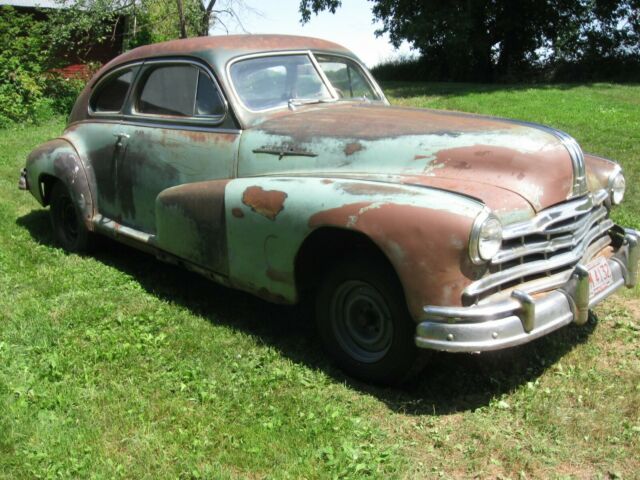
(524, 317)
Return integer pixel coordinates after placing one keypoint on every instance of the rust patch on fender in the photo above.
(427, 248)
(236, 212)
(352, 148)
(268, 203)
(279, 275)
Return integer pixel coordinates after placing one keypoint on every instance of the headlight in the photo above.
(617, 186)
(486, 237)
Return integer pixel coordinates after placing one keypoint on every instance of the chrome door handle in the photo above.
(120, 136)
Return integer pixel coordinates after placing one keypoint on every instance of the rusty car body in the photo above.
(275, 164)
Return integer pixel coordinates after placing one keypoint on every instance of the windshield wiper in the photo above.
(298, 102)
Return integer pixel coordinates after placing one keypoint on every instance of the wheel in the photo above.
(363, 322)
(69, 231)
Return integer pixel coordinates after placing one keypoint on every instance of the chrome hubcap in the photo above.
(361, 321)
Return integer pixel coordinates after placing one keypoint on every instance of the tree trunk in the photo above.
(183, 25)
(206, 18)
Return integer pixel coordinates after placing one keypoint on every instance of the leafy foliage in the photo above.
(503, 39)
(22, 57)
(29, 90)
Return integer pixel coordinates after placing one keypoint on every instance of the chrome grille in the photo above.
(543, 251)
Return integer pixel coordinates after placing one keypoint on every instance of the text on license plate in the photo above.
(600, 276)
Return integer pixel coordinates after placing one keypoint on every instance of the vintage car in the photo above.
(274, 164)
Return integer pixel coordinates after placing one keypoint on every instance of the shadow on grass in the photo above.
(455, 89)
(449, 383)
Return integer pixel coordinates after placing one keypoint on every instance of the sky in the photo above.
(351, 26)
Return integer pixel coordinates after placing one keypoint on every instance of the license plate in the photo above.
(600, 276)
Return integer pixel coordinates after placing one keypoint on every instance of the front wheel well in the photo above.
(327, 245)
(45, 184)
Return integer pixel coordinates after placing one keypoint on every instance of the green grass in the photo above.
(117, 366)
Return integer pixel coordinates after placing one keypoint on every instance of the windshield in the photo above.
(269, 82)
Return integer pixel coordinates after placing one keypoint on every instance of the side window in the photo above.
(208, 100)
(110, 96)
(169, 90)
(179, 91)
(347, 77)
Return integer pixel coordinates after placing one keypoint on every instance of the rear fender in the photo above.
(59, 159)
(423, 232)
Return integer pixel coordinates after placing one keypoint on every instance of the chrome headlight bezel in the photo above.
(483, 230)
(616, 186)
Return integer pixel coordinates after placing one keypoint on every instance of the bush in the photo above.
(62, 92)
(28, 92)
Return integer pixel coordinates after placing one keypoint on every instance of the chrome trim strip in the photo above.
(135, 121)
(107, 225)
(579, 186)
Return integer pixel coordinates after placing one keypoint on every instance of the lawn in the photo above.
(116, 366)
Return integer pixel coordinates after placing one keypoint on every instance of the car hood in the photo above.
(449, 150)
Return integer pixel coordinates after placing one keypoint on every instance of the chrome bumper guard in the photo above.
(22, 182)
(524, 317)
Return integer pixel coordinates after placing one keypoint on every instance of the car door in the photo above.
(100, 141)
(177, 133)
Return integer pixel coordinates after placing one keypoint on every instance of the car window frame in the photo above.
(131, 114)
(98, 84)
(308, 53)
(312, 56)
(365, 72)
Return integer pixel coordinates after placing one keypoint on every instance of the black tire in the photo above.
(69, 231)
(363, 322)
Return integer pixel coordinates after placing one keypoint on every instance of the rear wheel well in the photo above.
(327, 245)
(46, 183)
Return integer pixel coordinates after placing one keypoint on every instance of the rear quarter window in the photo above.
(110, 95)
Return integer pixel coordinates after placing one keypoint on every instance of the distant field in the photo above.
(117, 366)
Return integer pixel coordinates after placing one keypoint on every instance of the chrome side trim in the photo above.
(115, 229)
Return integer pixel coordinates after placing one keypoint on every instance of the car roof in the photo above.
(218, 50)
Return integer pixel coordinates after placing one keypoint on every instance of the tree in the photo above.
(483, 40)
(81, 24)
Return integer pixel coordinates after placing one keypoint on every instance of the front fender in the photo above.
(59, 159)
(423, 232)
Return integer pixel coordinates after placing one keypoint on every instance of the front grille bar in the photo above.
(523, 270)
(557, 243)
